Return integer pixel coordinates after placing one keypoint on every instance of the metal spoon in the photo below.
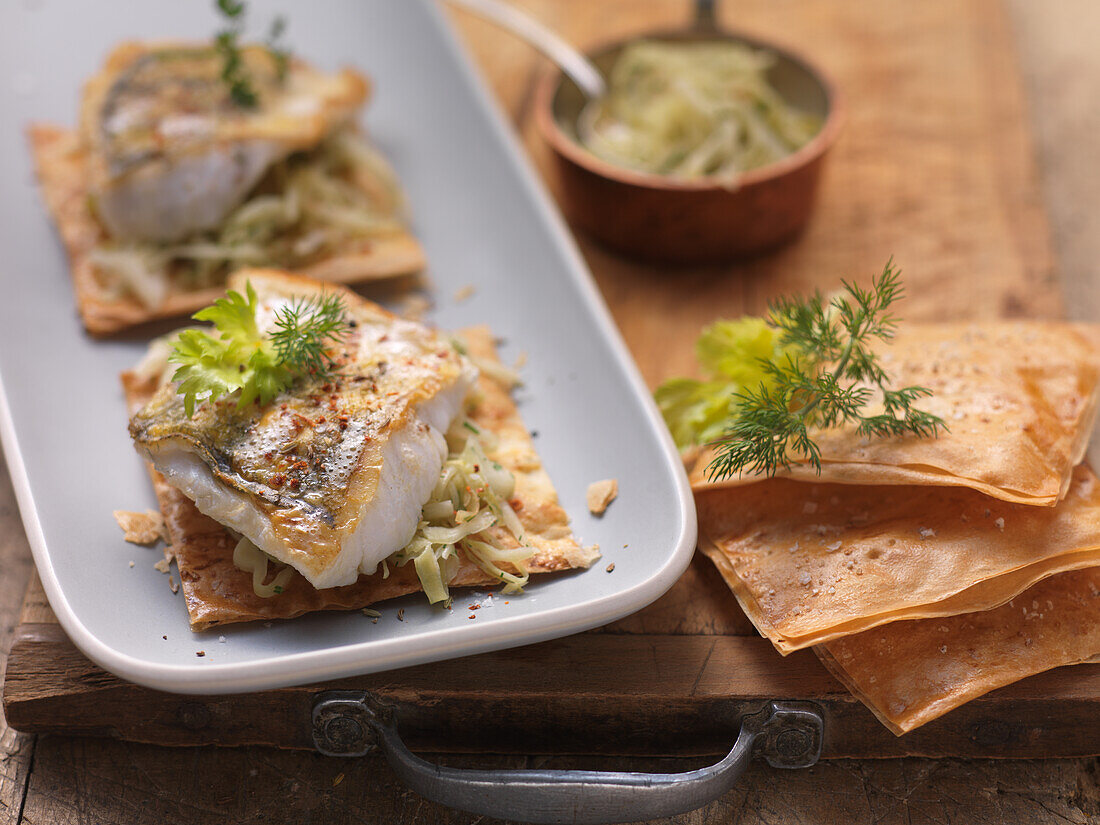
(578, 67)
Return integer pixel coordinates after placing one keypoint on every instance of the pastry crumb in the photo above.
(173, 584)
(464, 293)
(600, 494)
(140, 528)
(200, 653)
(611, 567)
(162, 566)
(415, 307)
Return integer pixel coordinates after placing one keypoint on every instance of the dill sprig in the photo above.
(279, 53)
(241, 359)
(826, 377)
(305, 330)
(235, 73)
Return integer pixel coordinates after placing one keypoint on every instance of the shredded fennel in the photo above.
(306, 208)
(505, 376)
(251, 559)
(691, 110)
(468, 511)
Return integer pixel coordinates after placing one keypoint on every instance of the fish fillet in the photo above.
(331, 477)
(172, 154)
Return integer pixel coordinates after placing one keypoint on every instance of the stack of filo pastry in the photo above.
(925, 572)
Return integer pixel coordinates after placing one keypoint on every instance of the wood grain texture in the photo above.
(699, 604)
(1061, 68)
(665, 694)
(90, 782)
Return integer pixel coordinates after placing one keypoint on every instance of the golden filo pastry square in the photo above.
(909, 673)
(1019, 399)
(217, 592)
(810, 563)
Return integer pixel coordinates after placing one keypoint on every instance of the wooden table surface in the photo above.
(892, 195)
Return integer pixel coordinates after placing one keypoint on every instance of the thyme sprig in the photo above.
(826, 378)
(235, 73)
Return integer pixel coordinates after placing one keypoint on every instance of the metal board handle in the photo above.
(350, 723)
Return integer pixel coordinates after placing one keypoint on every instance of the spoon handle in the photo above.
(521, 24)
(706, 15)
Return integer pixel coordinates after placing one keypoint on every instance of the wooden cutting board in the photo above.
(935, 168)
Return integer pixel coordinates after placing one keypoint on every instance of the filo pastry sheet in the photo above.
(810, 563)
(909, 673)
(1019, 400)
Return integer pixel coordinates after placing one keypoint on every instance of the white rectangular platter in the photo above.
(484, 220)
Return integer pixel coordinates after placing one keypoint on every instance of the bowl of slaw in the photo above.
(687, 166)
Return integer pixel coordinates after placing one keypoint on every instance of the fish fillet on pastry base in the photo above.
(1019, 399)
(909, 673)
(207, 161)
(217, 592)
(813, 562)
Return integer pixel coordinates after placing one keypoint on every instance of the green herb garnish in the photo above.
(234, 71)
(807, 365)
(304, 330)
(730, 354)
(243, 359)
(279, 53)
(826, 379)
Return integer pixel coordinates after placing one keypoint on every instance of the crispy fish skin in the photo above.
(331, 476)
(171, 154)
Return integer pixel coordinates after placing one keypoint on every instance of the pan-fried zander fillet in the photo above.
(171, 154)
(331, 477)
(170, 183)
